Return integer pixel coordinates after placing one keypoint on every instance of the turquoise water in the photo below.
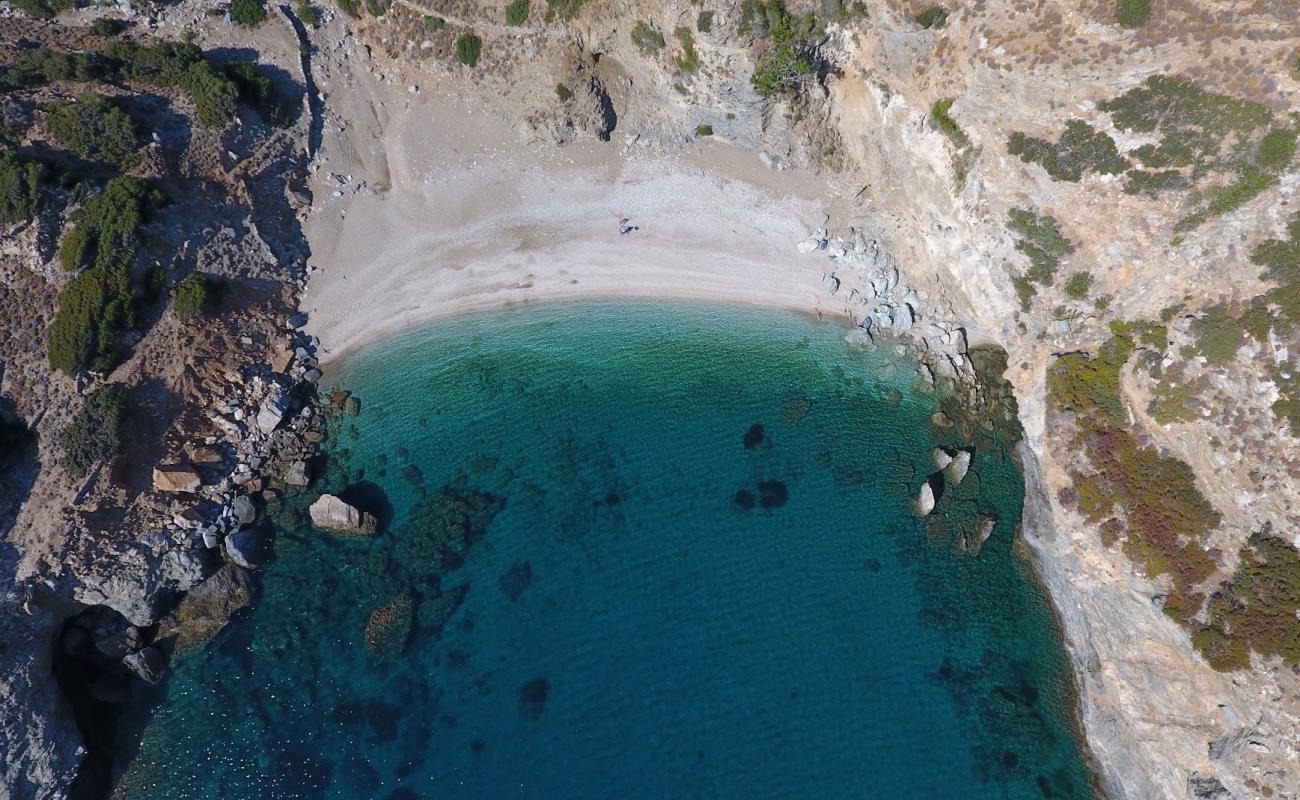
(647, 551)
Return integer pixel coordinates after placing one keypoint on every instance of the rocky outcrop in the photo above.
(147, 664)
(332, 514)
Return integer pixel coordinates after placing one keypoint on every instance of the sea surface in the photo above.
(634, 550)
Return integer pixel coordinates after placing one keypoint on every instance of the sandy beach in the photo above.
(447, 212)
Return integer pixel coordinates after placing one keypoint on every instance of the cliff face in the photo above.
(1114, 207)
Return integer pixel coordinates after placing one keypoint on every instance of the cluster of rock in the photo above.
(884, 304)
(112, 650)
(269, 427)
(950, 468)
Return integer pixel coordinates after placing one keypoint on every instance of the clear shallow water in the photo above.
(627, 626)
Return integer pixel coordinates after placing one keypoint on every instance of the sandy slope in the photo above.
(447, 212)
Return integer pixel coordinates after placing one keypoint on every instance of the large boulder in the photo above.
(925, 500)
(273, 409)
(176, 478)
(956, 469)
(336, 516)
(148, 664)
(247, 548)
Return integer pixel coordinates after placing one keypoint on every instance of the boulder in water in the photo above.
(924, 500)
(332, 514)
(247, 547)
(940, 458)
(957, 468)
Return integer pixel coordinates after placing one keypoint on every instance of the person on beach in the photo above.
(624, 228)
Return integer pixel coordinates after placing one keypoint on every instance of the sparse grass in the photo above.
(948, 125)
(468, 49)
(704, 22)
(349, 8)
(647, 39)
(932, 18)
(433, 24)
(563, 9)
(43, 9)
(1078, 286)
(1079, 151)
(689, 60)
(1133, 13)
(517, 12)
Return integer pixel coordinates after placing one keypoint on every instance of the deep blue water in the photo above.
(660, 598)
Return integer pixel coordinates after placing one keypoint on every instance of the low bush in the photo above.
(1078, 286)
(434, 24)
(96, 129)
(349, 8)
(192, 296)
(42, 9)
(182, 65)
(104, 26)
(1040, 240)
(247, 12)
(95, 433)
(932, 18)
(939, 113)
(517, 12)
(100, 303)
(788, 59)
(1133, 13)
(1080, 150)
(21, 182)
(703, 130)
(563, 9)
(306, 12)
(704, 22)
(256, 90)
(468, 49)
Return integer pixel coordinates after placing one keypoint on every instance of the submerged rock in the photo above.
(532, 698)
(332, 514)
(441, 529)
(516, 579)
(435, 612)
(390, 627)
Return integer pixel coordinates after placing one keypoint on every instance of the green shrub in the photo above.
(939, 113)
(1078, 286)
(1041, 241)
(647, 39)
(103, 26)
(42, 9)
(95, 433)
(704, 22)
(31, 68)
(256, 90)
(468, 48)
(192, 296)
(1257, 609)
(96, 129)
(689, 60)
(933, 17)
(99, 304)
(178, 64)
(517, 12)
(1080, 150)
(704, 130)
(434, 24)
(377, 8)
(1133, 13)
(306, 12)
(1218, 335)
(788, 58)
(20, 188)
(563, 92)
(247, 12)
(1276, 150)
(349, 8)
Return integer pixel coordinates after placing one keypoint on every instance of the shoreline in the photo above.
(468, 219)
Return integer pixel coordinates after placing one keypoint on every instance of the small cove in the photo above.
(683, 562)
